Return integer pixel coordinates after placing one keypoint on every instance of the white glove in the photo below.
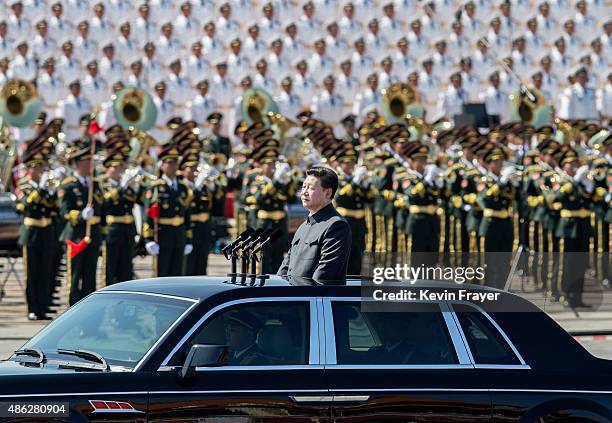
(359, 174)
(43, 179)
(581, 173)
(125, 180)
(199, 182)
(432, 173)
(282, 173)
(87, 213)
(152, 248)
(506, 173)
(188, 249)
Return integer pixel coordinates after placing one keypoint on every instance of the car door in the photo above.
(274, 359)
(406, 365)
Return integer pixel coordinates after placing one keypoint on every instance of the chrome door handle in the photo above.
(330, 398)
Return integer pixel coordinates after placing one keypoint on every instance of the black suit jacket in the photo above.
(320, 249)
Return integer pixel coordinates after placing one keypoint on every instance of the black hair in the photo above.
(327, 177)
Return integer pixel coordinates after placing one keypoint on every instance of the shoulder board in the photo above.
(456, 166)
(101, 178)
(24, 185)
(548, 173)
(390, 161)
(472, 171)
(69, 180)
(157, 182)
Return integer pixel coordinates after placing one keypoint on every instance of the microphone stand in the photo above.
(259, 250)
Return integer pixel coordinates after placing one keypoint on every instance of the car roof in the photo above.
(203, 287)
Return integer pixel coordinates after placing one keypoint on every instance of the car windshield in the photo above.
(121, 327)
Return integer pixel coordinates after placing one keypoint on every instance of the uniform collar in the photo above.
(320, 214)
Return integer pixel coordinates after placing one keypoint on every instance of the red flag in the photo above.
(153, 211)
(76, 248)
(93, 128)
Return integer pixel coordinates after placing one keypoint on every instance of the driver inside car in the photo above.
(241, 333)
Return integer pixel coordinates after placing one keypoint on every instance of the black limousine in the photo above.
(205, 350)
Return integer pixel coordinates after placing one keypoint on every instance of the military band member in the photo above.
(78, 214)
(120, 195)
(202, 187)
(574, 192)
(354, 193)
(166, 231)
(496, 195)
(36, 234)
(218, 143)
(269, 193)
(422, 189)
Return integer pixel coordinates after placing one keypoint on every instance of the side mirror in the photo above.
(203, 356)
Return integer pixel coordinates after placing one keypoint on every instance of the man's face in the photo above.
(302, 69)
(115, 172)
(373, 83)
(75, 90)
(349, 12)
(292, 31)
(144, 13)
(238, 337)
(360, 47)
(169, 168)
(570, 168)
(36, 172)
(125, 31)
(189, 173)
(50, 68)
(176, 68)
(161, 92)
(495, 166)
(268, 168)
(532, 25)
(582, 78)
(83, 166)
(347, 167)
(109, 53)
(287, 88)
(222, 71)
(320, 48)
(277, 48)
(333, 30)
(418, 164)
(346, 68)
(313, 195)
(42, 30)
(203, 89)
(23, 49)
(329, 86)
(93, 71)
(167, 31)
(83, 31)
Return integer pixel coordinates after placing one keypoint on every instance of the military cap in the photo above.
(169, 153)
(214, 118)
(548, 146)
(266, 143)
(565, 154)
(480, 147)
(305, 114)
(161, 85)
(262, 133)
(79, 151)
(495, 152)
(115, 157)
(189, 160)
(349, 119)
(35, 157)
(266, 155)
(415, 149)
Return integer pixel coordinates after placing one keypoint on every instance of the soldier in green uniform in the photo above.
(202, 187)
(36, 234)
(353, 195)
(166, 231)
(496, 195)
(422, 191)
(218, 143)
(120, 195)
(574, 192)
(78, 214)
(269, 193)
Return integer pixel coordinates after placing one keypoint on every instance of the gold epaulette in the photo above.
(158, 182)
(69, 180)
(390, 161)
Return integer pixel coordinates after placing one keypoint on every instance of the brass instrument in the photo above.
(140, 143)
(398, 101)
(257, 105)
(567, 130)
(19, 107)
(530, 107)
(134, 108)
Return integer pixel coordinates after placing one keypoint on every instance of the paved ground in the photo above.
(15, 329)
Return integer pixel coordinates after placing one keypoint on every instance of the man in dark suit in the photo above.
(321, 246)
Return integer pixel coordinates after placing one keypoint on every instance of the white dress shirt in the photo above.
(451, 102)
(580, 103)
(328, 107)
(71, 109)
(200, 108)
(289, 104)
(497, 103)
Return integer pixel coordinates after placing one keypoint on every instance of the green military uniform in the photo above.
(119, 227)
(496, 196)
(73, 193)
(218, 143)
(168, 218)
(196, 263)
(36, 236)
(574, 229)
(269, 199)
(350, 201)
(421, 197)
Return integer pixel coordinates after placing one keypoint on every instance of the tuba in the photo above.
(134, 108)
(529, 106)
(257, 106)
(19, 107)
(399, 100)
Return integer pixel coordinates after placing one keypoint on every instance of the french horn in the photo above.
(529, 106)
(257, 106)
(398, 101)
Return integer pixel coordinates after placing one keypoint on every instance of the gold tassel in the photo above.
(540, 249)
(442, 240)
(549, 265)
(592, 262)
(369, 228)
(559, 283)
(409, 250)
(531, 244)
(104, 275)
(599, 249)
(515, 244)
(25, 263)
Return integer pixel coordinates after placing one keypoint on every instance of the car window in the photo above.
(120, 327)
(486, 343)
(390, 337)
(257, 334)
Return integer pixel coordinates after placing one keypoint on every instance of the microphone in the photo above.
(254, 234)
(229, 247)
(272, 237)
(259, 239)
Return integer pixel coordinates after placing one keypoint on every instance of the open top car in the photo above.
(204, 349)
